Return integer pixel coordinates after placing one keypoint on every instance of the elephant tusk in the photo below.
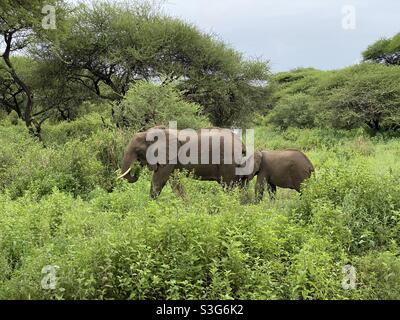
(123, 175)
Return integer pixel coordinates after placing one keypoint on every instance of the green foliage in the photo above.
(21, 27)
(3, 115)
(13, 118)
(147, 105)
(72, 168)
(109, 256)
(105, 47)
(365, 95)
(292, 111)
(301, 80)
(370, 95)
(316, 264)
(231, 99)
(379, 274)
(79, 157)
(386, 50)
(370, 204)
(61, 205)
(82, 128)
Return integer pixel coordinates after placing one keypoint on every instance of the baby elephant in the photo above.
(286, 169)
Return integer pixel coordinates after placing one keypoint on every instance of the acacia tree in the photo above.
(231, 97)
(110, 46)
(385, 51)
(11, 96)
(366, 94)
(20, 25)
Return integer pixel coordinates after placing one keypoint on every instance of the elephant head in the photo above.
(137, 151)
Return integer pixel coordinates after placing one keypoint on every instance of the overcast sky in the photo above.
(294, 33)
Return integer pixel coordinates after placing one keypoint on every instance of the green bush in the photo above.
(61, 205)
(369, 95)
(27, 166)
(13, 118)
(82, 128)
(292, 111)
(315, 273)
(146, 105)
(79, 156)
(361, 96)
(378, 275)
(72, 168)
(150, 252)
(370, 204)
(3, 115)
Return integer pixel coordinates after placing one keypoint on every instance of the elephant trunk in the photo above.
(129, 157)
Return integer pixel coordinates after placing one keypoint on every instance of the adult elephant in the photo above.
(281, 168)
(211, 154)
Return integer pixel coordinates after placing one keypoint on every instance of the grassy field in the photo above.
(57, 209)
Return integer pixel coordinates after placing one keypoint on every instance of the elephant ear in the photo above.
(257, 161)
(250, 165)
(257, 158)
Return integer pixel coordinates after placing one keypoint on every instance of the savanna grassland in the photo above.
(72, 97)
(55, 210)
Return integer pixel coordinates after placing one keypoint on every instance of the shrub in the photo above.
(109, 147)
(81, 128)
(365, 95)
(13, 118)
(293, 111)
(150, 251)
(370, 204)
(315, 273)
(146, 105)
(378, 275)
(370, 96)
(57, 209)
(72, 168)
(3, 115)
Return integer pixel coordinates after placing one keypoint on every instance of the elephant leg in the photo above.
(260, 186)
(272, 191)
(160, 178)
(177, 186)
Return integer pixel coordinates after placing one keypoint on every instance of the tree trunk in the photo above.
(27, 116)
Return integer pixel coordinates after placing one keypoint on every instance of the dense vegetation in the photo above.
(70, 102)
(385, 51)
(365, 95)
(99, 50)
(55, 210)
